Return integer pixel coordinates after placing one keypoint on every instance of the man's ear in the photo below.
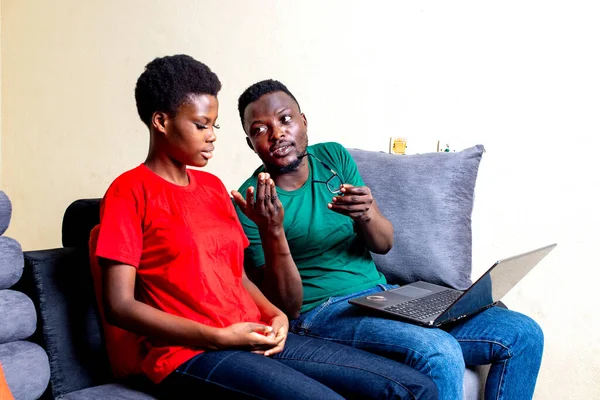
(158, 121)
(249, 143)
(304, 119)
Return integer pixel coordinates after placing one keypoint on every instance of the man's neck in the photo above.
(291, 180)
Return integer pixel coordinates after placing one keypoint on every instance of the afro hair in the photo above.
(167, 82)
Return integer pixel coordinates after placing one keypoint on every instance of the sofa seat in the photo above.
(113, 391)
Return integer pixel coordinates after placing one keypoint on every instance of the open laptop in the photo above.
(433, 305)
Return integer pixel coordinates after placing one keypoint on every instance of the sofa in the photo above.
(427, 197)
(25, 363)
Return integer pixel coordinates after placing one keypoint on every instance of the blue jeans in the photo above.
(307, 369)
(511, 342)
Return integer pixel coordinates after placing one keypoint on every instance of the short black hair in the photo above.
(259, 89)
(167, 82)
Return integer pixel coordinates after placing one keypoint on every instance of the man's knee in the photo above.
(441, 353)
(529, 336)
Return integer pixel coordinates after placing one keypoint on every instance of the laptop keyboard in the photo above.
(427, 306)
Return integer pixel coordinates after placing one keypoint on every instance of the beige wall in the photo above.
(521, 77)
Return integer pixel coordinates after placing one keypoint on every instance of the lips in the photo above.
(281, 149)
(207, 153)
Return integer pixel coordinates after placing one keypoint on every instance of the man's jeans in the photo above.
(511, 342)
(306, 369)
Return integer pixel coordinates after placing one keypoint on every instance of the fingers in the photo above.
(239, 200)
(278, 348)
(355, 202)
(356, 190)
(266, 193)
(262, 336)
(259, 328)
(250, 197)
(274, 198)
(261, 190)
(353, 195)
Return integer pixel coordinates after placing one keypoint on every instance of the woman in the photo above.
(171, 250)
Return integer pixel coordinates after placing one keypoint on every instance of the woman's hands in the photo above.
(258, 338)
(280, 325)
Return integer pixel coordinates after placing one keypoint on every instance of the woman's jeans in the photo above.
(307, 368)
(511, 342)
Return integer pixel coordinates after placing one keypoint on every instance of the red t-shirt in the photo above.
(188, 247)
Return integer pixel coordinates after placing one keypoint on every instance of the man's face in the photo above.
(277, 132)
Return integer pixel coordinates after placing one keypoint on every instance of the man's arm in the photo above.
(358, 203)
(282, 282)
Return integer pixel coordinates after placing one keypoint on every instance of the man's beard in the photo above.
(291, 167)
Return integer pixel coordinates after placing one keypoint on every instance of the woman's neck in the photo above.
(167, 169)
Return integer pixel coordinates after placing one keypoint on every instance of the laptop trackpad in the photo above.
(411, 291)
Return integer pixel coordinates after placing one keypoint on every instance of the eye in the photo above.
(286, 118)
(259, 130)
(217, 126)
(201, 127)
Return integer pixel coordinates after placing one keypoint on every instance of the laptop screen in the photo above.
(495, 283)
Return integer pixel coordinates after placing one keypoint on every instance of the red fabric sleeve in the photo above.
(120, 236)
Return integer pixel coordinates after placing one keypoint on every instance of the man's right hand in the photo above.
(266, 211)
(249, 335)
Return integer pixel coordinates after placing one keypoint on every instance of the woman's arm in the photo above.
(123, 310)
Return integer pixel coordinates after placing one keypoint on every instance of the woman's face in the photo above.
(190, 134)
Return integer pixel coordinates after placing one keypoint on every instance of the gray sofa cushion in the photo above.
(62, 291)
(61, 288)
(111, 391)
(11, 262)
(17, 316)
(26, 368)
(5, 212)
(429, 200)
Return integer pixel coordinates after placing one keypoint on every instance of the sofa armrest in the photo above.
(59, 283)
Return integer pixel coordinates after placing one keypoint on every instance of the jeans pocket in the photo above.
(302, 324)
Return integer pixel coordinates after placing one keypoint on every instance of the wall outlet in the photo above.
(398, 145)
(445, 146)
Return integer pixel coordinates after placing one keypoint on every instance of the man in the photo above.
(317, 222)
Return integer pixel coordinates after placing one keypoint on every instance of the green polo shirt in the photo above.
(331, 257)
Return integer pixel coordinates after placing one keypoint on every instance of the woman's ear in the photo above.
(158, 121)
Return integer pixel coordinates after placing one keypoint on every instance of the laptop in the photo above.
(432, 305)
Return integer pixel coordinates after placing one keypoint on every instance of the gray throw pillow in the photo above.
(17, 316)
(11, 262)
(5, 212)
(429, 200)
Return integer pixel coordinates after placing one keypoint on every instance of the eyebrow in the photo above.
(282, 110)
(256, 121)
(203, 118)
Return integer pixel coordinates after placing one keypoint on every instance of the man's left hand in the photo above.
(356, 202)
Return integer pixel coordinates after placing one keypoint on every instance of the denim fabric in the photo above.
(511, 342)
(307, 368)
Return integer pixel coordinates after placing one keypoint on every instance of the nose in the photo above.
(212, 137)
(278, 132)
